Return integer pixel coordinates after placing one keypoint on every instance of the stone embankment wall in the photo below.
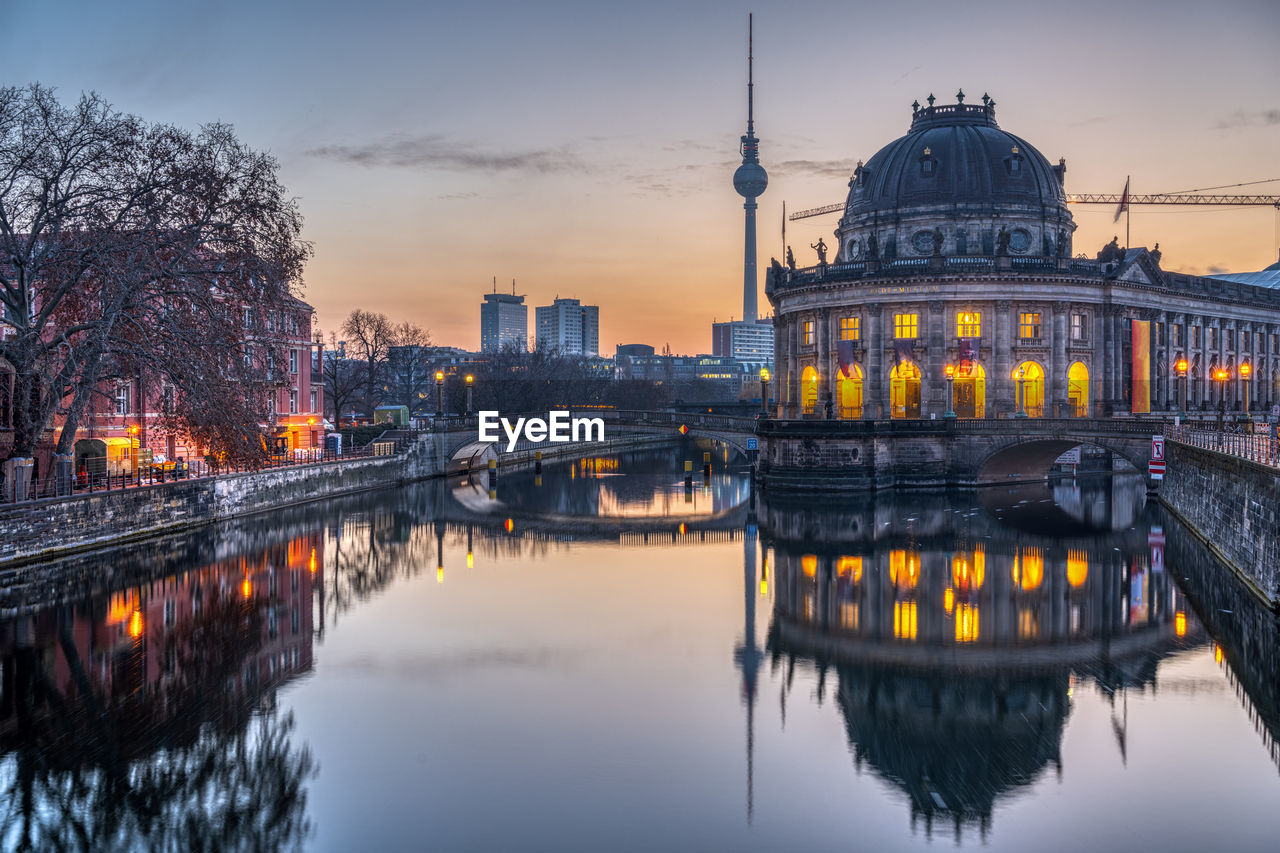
(47, 527)
(1231, 504)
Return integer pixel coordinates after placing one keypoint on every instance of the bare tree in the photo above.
(343, 379)
(129, 248)
(408, 378)
(369, 336)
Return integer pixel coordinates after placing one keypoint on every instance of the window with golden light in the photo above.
(806, 333)
(1029, 325)
(906, 326)
(969, 324)
(850, 328)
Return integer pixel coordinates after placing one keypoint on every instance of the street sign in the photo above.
(1071, 457)
(684, 430)
(753, 444)
(1155, 469)
(1157, 448)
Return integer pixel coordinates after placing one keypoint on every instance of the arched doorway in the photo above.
(808, 390)
(1029, 378)
(1078, 389)
(904, 391)
(849, 391)
(970, 390)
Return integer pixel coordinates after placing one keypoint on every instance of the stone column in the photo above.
(1056, 399)
(827, 363)
(874, 382)
(933, 378)
(1000, 385)
(781, 357)
(1098, 383)
(1161, 365)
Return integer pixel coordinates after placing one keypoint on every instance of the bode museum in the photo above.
(953, 264)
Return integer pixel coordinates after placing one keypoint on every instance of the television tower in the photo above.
(750, 181)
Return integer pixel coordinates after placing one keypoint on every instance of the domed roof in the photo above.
(956, 154)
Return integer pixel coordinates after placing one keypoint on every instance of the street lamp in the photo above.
(439, 393)
(1221, 374)
(950, 370)
(764, 391)
(1180, 367)
(134, 452)
(1022, 394)
(1245, 370)
(470, 379)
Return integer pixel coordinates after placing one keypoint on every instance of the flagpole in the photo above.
(784, 229)
(1128, 214)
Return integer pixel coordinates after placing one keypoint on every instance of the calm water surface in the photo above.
(598, 658)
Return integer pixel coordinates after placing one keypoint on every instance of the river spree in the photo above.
(597, 657)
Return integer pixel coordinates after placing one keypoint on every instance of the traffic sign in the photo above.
(1157, 448)
(684, 430)
(1155, 469)
(753, 444)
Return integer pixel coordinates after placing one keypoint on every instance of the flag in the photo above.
(1124, 201)
(904, 350)
(844, 352)
(968, 354)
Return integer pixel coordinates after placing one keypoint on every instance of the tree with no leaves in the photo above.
(127, 249)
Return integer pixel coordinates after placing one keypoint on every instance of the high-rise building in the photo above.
(569, 326)
(504, 319)
(749, 343)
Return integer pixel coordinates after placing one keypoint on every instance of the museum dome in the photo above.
(958, 172)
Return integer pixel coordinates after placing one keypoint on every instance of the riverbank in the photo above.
(49, 528)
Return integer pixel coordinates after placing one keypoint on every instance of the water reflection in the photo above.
(147, 716)
(956, 641)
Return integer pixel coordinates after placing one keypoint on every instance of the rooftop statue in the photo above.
(821, 248)
(791, 260)
(1002, 241)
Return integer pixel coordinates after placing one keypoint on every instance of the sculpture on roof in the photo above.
(791, 260)
(1002, 241)
(821, 248)
(1111, 253)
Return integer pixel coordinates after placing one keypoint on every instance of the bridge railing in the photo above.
(1239, 441)
(1004, 426)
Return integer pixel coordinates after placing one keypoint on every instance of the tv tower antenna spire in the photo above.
(750, 181)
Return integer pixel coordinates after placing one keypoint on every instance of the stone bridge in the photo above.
(816, 455)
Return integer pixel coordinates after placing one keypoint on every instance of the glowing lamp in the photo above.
(1180, 365)
(470, 379)
(764, 374)
(1246, 369)
(950, 370)
(439, 375)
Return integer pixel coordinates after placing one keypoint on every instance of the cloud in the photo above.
(458, 196)
(1214, 269)
(1258, 118)
(436, 151)
(819, 168)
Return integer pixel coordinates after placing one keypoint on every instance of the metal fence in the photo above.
(1255, 442)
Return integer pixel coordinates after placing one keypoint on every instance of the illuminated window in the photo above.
(905, 325)
(1029, 325)
(966, 623)
(968, 324)
(1079, 329)
(850, 328)
(806, 333)
(904, 568)
(904, 620)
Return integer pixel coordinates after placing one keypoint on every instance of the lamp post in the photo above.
(1180, 367)
(134, 452)
(1246, 369)
(1221, 374)
(764, 391)
(1022, 395)
(439, 393)
(469, 380)
(950, 370)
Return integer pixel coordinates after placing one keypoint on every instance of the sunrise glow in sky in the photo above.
(586, 149)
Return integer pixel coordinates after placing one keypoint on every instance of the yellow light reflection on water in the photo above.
(904, 620)
(135, 624)
(1180, 624)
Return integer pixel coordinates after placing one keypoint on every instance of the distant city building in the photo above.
(504, 320)
(677, 370)
(634, 349)
(750, 343)
(569, 326)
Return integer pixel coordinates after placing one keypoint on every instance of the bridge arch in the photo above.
(1031, 459)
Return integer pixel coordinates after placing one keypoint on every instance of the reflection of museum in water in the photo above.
(956, 641)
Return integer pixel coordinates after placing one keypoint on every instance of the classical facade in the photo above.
(954, 257)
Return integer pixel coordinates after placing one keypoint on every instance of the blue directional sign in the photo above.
(753, 444)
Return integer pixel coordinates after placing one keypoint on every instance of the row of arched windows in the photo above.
(969, 390)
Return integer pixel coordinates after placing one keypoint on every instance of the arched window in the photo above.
(849, 392)
(809, 390)
(1028, 380)
(969, 391)
(904, 391)
(1078, 389)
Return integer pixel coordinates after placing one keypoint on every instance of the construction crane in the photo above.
(1112, 198)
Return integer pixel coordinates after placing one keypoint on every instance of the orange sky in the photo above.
(587, 150)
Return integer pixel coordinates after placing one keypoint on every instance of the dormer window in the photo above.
(1013, 163)
(928, 164)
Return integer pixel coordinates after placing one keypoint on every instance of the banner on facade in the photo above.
(904, 350)
(1141, 402)
(844, 352)
(968, 355)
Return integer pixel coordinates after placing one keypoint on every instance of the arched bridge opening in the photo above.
(1033, 459)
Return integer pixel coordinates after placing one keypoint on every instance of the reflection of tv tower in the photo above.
(748, 656)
